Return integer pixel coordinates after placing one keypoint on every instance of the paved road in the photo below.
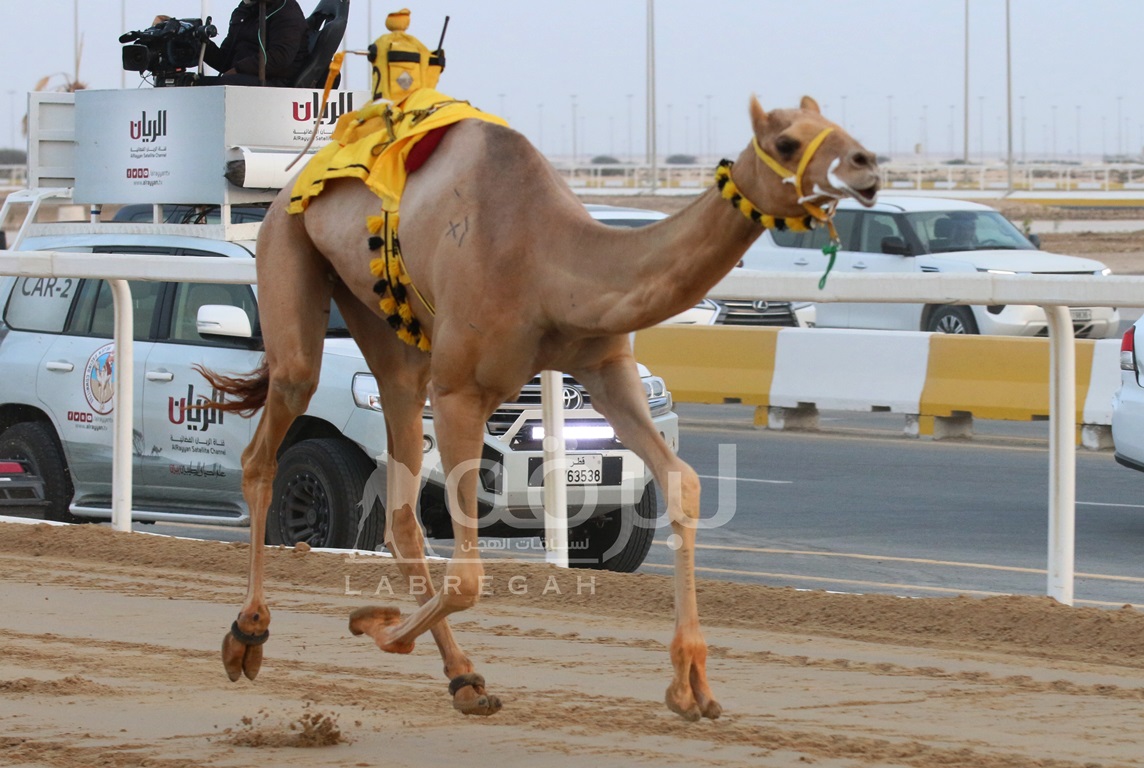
(858, 507)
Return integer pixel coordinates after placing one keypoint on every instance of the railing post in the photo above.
(555, 479)
(123, 369)
(1062, 454)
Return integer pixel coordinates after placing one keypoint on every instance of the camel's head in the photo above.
(802, 162)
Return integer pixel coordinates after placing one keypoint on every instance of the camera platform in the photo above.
(203, 145)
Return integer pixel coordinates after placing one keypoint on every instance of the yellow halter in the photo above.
(795, 177)
(729, 191)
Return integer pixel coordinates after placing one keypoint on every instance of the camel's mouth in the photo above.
(867, 196)
(865, 191)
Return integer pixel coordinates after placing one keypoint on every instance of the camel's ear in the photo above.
(758, 117)
(809, 104)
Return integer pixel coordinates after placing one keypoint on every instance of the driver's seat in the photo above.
(327, 26)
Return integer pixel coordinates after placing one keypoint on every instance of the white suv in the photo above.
(56, 404)
(922, 234)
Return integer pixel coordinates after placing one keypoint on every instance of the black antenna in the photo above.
(441, 42)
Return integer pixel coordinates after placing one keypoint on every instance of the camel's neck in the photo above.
(665, 268)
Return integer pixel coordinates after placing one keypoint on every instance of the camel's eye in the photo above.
(787, 146)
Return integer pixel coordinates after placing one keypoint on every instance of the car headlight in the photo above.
(1104, 272)
(658, 398)
(365, 391)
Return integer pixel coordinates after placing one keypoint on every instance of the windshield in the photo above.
(945, 231)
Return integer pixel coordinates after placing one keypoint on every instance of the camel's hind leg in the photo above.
(294, 299)
(618, 394)
(402, 373)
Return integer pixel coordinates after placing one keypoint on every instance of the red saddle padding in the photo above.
(424, 148)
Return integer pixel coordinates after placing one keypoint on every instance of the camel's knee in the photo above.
(295, 386)
(403, 535)
(682, 492)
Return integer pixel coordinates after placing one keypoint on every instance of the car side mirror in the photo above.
(895, 246)
(223, 320)
(1036, 241)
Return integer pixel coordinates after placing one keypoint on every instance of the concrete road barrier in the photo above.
(939, 382)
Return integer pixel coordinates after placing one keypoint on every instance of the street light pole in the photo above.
(631, 154)
(1119, 127)
(75, 39)
(966, 81)
(1009, 97)
(123, 27)
(710, 143)
(890, 126)
(573, 133)
(1053, 153)
(651, 93)
(12, 121)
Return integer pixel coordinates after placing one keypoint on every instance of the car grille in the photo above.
(575, 396)
(1081, 330)
(749, 312)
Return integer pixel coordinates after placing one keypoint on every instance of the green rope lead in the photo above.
(831, 250)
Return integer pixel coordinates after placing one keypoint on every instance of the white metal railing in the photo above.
(1055, 293)
(627, 178)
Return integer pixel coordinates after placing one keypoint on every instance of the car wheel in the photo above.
(317, 497)
(36, 443)
(616, 541)
(952, 319)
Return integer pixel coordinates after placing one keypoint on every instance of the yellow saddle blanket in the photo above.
(372, 144)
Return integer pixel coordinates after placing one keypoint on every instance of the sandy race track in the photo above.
(110, 658)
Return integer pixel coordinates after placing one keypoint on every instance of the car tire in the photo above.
(317, 497)
(616, 541)
(35, 442)
(952, 319)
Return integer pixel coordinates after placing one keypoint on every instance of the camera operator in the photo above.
(238, 56)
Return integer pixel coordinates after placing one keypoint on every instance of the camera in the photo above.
(170, 51)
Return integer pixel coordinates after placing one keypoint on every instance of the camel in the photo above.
(520, 279)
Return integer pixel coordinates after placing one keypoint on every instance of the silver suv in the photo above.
(56, 405)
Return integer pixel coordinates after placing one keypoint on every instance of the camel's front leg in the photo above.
(617, 392)
(464, 573)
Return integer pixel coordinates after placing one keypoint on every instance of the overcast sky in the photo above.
(891, 70)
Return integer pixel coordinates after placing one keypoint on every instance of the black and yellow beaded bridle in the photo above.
(815, 214)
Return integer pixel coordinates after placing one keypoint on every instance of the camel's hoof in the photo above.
(684, 704)
(687, 708)
(470, 697)
(242, 653)
(712, 710)
(375, 621)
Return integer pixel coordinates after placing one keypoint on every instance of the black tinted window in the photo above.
(94, 313)
(844, 221)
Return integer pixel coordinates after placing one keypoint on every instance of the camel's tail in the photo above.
(243, 394)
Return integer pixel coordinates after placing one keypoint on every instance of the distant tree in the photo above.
(13, 157)
(681, 159)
